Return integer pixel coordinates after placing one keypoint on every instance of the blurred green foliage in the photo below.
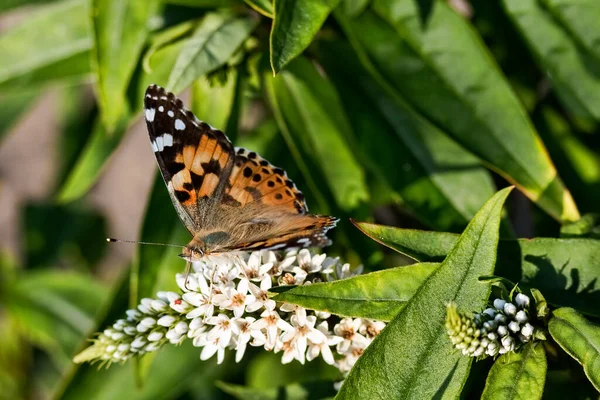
(402, 112)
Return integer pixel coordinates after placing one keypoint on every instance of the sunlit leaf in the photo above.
(573, 71)
(413, 158)
(413, 357)
(518, 375)
(296, 23)
(120, 30)
(313, 390)
(580, 19)
(31, 55)
(580, 338)
(564, 270)
(316, 118)
(417, 48)
(213, 43)
(264, 7)
(379, 295)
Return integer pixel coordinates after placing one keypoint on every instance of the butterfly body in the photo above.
(230, 199)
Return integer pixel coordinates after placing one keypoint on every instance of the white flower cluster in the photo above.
(225, 304)
(497, 330)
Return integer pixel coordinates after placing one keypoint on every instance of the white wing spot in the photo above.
(167, 140)
(163, 97)
(179, 125)
(170, 113)
(277, 246)
(154, 148)
(303, 240)
(150, 114)
(159, 143)
(161, 108)
(148, 96)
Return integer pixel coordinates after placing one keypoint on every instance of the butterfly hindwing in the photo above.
(254, 180)
(193, 157)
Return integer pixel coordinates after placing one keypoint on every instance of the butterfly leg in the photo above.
(188, 266)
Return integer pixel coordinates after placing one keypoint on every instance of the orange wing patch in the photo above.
(254, 179)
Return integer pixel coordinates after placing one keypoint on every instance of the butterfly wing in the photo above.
(195, 159)
(263, 209)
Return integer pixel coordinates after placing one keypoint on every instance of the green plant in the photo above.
(400, 112)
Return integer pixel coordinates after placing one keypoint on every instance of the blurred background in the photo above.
(406, 113)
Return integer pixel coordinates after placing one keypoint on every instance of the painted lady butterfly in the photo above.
(229, 199)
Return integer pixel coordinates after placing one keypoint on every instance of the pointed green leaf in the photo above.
(413, 357)
(214, 42)
(564, 270)
(518, 375)
(60, 50)
(580, 18)
(214, 102)
(264, 7)
(313, 113)
(580, 338)
(100, 146)
(120, 30)
(409, 155)
(296, 23)
(573, 71)
(473, 103)
(379, 295)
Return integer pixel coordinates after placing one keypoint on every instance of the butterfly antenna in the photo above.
(113, 240)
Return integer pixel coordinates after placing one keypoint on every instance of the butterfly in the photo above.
(230, 199)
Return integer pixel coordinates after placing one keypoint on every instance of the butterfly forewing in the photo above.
(193, 157)
(229, 199)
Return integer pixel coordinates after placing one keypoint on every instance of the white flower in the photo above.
(284, 265)
(370, 329)
(244, 336)
(200, 299)
(314, 349)
(343, 271)
(290, 351)
(224, 329)
(253, 269)
(347, 329)
(271, 323)
(302, 332)
(210, 346)
(351, 356)
(309, 264)
(235, 299)
(499, 304)
(522, 300)
(261, 295)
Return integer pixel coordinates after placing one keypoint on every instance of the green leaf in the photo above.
(312, 112)
(55, 309)
(578, 164)
(580, 338)
(213, 43)
(312, 390)
(378, 295)
(580, 18)
(518, 375)
(473, 103)
(264, 7)
(31, 55)
(564, 270)
(409, 155)
(573, 71)
(8, 4)
(413, 357)
(214, 102)
(295, 24)
(120, 30)
(419, 245)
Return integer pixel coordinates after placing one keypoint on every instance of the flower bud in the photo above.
(521, 316)
(522, 300)
(510, 309)
(499, 304)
